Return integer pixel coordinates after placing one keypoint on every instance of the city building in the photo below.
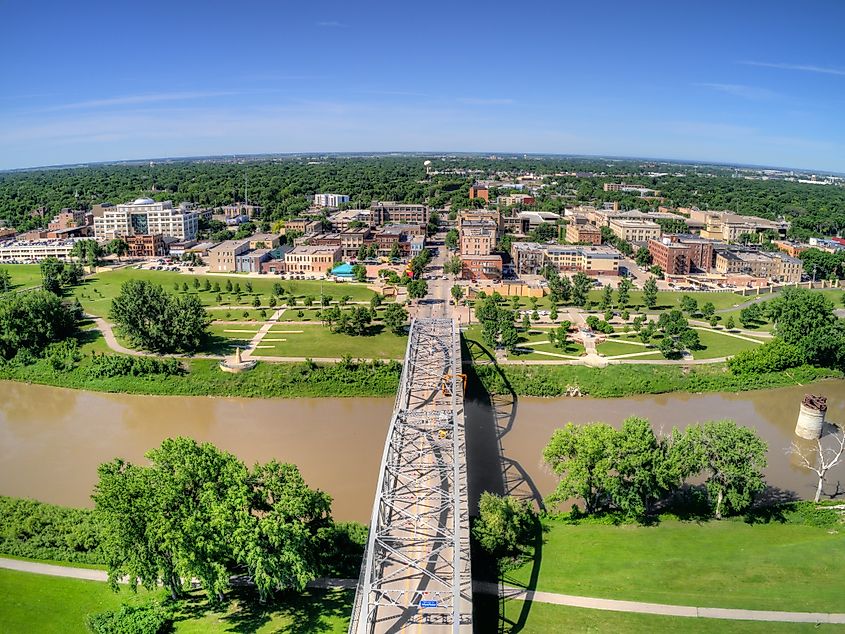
(724, 225)
(478, 191)
(351, 218)
(634, 230)
(588, 233)
(644, 192)
(474, 215)
(311, 259)
(681, 255)
(264, 241)
(66, 219)
(330, 200)
(251, 261)
(145, 216)
(223, 257)
(793, 249)
(23, 251)
(531, 257)
(238, 213)
(773, 266)
(82, 231)
(146, 246)
(477, 237)
(537, 218)
(393, 212)
(417, 244)
(515, 199)
(481, 267)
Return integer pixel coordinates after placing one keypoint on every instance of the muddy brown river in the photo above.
(51, 439)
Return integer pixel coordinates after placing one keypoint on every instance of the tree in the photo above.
(553, 315)
(33, 320)
(417, 289)
(359, 271)
(57, 275)
(362, 252)
(153, 319)
(623, 291)
(733, 458)
(821, 459)
(87, 251)
(5, 281)
(708, 310)
(642, 257)
(580, 287)
(457, 293)
(453, 266)
(689, 305)
(729, 322)
(582, 457)
(330, 316)
(452, 239)
(395, 317)
(229, 286)
(395, 253)
(650, 293)
(606, 298)
(805, 318)
(375, 301)
(256, 301)
(505, 525)
(118, 247)
(558, 336)
(509, 336)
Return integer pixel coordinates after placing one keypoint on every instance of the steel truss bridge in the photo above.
(416, 571)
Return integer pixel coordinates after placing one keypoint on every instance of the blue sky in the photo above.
(747, 82)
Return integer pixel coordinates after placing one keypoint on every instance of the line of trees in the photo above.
(156, 320)
(631, 470)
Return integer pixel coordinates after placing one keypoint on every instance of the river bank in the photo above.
(362, 379)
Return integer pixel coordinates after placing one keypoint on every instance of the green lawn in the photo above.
(540, 336)
(44, 604)
(542, 618)
(23, 275)
(616, 346)
(717, 344)
(714, 564)
(319, 341)
(97, 292)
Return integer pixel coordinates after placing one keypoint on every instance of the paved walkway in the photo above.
(111, 341)
(507, 592)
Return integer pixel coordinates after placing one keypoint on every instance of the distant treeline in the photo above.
(284, 186)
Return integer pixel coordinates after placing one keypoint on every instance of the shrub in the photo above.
(147, 619)
(110, 365)
(504, 527)
(773, 356)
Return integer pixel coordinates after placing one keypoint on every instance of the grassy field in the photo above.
(97, 292)
(319, 341)
(23, 275)
(617, 346)
(732, 564)
(43, 604)
(718, 344)
(542, 618)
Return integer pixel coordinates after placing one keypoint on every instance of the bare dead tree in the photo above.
(820, 459)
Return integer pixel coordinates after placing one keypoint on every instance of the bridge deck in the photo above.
(416, 572)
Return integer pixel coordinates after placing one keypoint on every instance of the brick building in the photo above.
(146, 246)
(481, 267)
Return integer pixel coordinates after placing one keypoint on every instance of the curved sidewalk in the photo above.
(507, 592)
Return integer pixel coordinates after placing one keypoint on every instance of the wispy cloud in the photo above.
(740, 90)
(130, 100)
(474, 101)
(332, 24)
(807, 68)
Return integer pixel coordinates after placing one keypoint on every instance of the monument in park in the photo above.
(235, 363)
(811, 417)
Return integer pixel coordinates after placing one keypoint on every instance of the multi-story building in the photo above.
(145, 216)
(774, 266)
(330, 200)
(223, 257)
(351, 240)
(146, 246)
(515, 199)
(622, 187)
(792, 249)
(67, 219)
(681, 255)
(477, 191)
(251, 261)
(632, 230)
(23, 251)
(312, 259)
(724, 225)
(477, 237)
(238, 213)
(481, 267)
(393, 212)
(530, 257)
(350, 218)
(416, 244)
(588, 233)
(264, 241)
(474, 215)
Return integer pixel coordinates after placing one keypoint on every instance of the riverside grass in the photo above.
(292, 380)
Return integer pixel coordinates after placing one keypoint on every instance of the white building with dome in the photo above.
(145, 216)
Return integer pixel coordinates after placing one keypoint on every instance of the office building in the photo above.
(481, 267)
(634, 230)
(146, 246)
(583, 233)
(145, 216)
(477, 237)
(477, 191)
(223, 257)
(400, 213)
(330, 200)
(311, 259)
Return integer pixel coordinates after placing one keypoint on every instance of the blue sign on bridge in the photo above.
(428, 604)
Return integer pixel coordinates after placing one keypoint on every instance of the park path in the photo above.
(506, 592)
(265, 328)
(111, 341)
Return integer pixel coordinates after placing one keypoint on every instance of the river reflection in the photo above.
(51, 439)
